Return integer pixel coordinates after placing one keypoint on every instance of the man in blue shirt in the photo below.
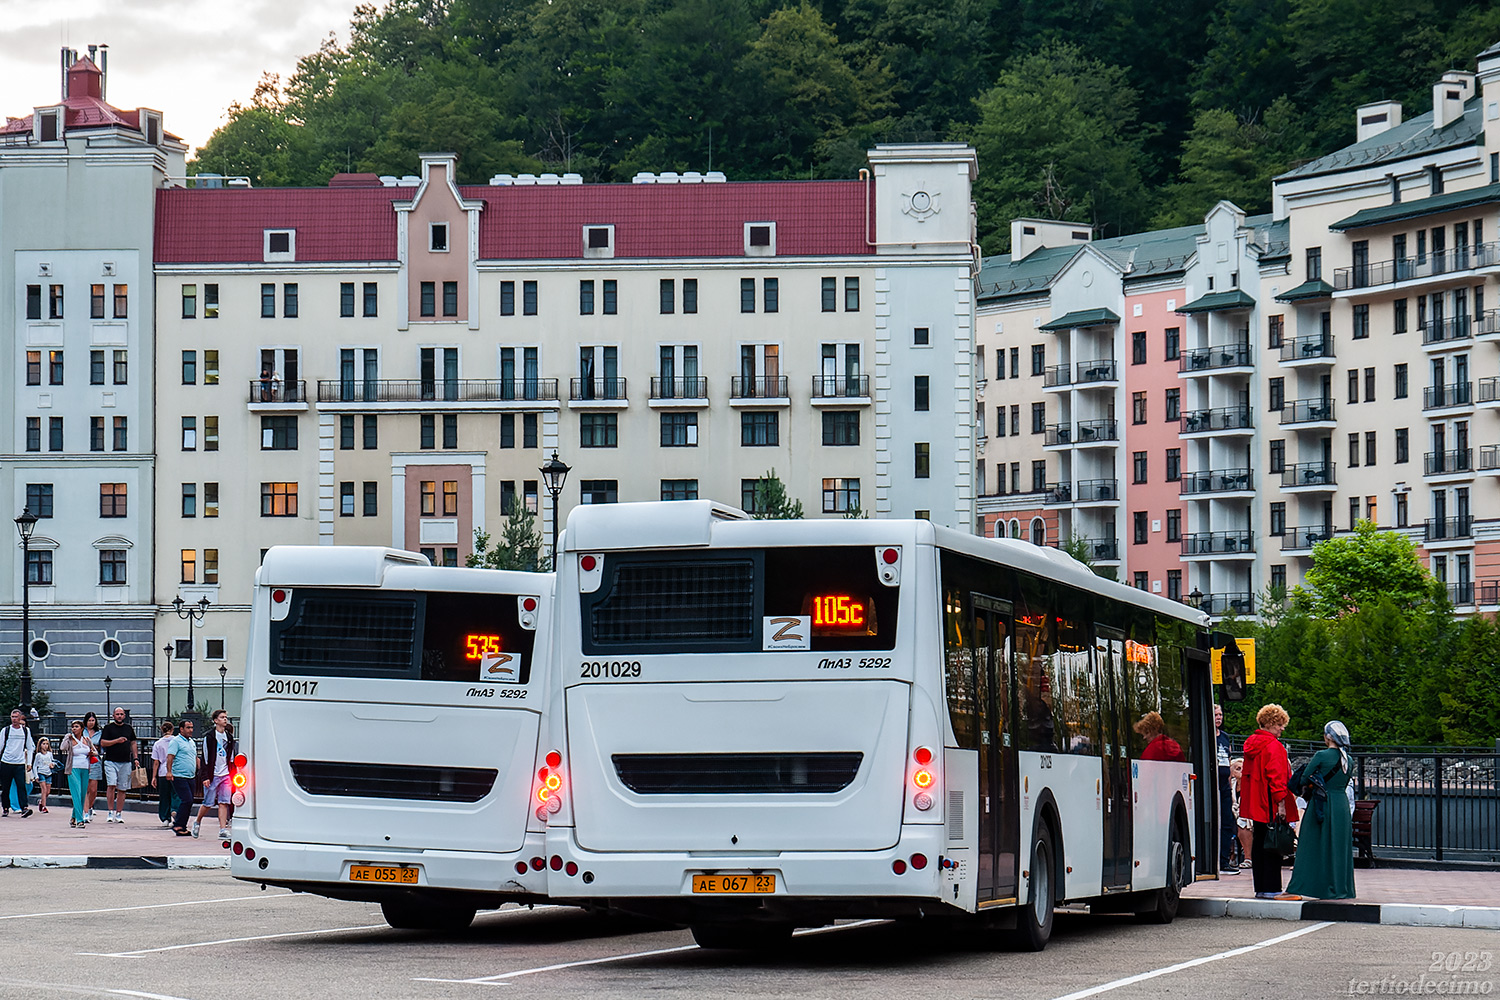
(182, 765)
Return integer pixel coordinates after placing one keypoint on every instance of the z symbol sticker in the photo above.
(786, 632)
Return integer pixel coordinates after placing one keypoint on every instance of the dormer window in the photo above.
(598, 241)
(280, 245)
(152, 128)
(437, 237)
(49, 124)
(760, 239)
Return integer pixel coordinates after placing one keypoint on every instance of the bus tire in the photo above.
(1165, 901)
(1034, 920)
(411, 915)
(745, 936)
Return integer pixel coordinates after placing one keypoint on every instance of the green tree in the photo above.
(10, 690)
(772, 502)
(521, 546)
(1353, 570)
(1230, 158)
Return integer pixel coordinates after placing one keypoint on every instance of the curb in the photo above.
(1340, 911)
(150, 861)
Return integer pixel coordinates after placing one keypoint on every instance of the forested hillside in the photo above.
(1124, 113)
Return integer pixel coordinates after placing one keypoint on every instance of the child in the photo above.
(41, 766)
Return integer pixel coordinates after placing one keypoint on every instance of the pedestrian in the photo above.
(76, 750)
(1264, 797)
(1325, 842)
(218, 756)
(1159, 746)
(161, 778)
(182, 764)
(41, 766)
(96, 762)
(1225, 749)
(1243, 828)
(121, 753)
(15, 754)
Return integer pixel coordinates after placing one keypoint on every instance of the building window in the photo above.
(55, 302)
(112, 500)
(210, 499)
(450, 298)
(747, 295)
(428, 432)
(921, 336)
(585, 298)
(278, 433)
(1138, 407)
(267, 300)
(96, 302)
(1140, 528)
(54, 367)
(96, 367)
(1174, 465)
(840, 496)
(1138, 466)
(210, 301)
(122, 434)
(39, 499)
(189, 565)
(690, 295)
(921, 395)
(679, 430)
(1369, 448)
(507, 298)
(372, 298)
(33, 367)
(39, 567)
(1354, 385)
(346, 499)
(759, 428)
(668, 296)
(96, 433)
(1354, 451)
(1138, 347)
(598, 430)
(111, 567)
(528, 298)
(278, 499)
(771, 294)
(55, 434)
(1174, 343)
(1398, 316)
(1403, 446)
(1278, 579)
(437, 237)
(1276, 393)
(922, 464)
(346, 298)
(840, 427)
(1276, 328)
(1174, 584)
(372, 499)
(210, 367)
(1174, 525)
(1402, 513)
(1278, 518)
(427, 299)
(1361, 321)
(679, 489)
(1038, 475)
(1038, 417)
(1038, 358)
(851, 295)
(1353, 513)
(596, 491)
(1314, 263)
(427, 491)
(211, 575)
(33, 301)
(450, 430)
(1142, 580)
(1278, 456)
(346, 432)
(830, 295)
(1401, 381)
(189, 499)
(189, 367)
(1369, 385)
(210, 433)
(450, 498)
(611, 296)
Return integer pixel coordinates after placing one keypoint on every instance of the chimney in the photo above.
(68, 55)
(103, 71)
(1448, 97)
(1376, 117)
(1027, 235)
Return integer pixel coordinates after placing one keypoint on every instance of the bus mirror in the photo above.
(1234, 673)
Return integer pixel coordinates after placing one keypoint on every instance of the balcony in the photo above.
(1489, 459)
(1088, 491)
(1057, 493)
(1303, 539)
(1448, 529)
(1487, 325)
(465, 390)
(1309, 477)
(1057, 435)
(1228, 418)
(1216, 481)
(1218, 543)
(1433, 265)
(1314, 350)
(1097, 431)
(758, 390)
(1103, 370)
(1460, 594)
(1442, 397)
(842, 390)
(609, 391)
(1057, 377)
(1454, 332)
(1460, 461)
(1103, 549)
(679, 393)
(1306, 411)
(275, 394)
(1488, 391)
(1224, 604)
(1209, 359)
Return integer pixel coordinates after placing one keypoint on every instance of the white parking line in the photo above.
(146, 996)
(240, 940)
(1192, 963)
(497, 980)
(149, 906)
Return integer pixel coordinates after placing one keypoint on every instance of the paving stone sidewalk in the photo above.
(47, 835)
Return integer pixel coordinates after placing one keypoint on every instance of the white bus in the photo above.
(771, 724)
(392, 712)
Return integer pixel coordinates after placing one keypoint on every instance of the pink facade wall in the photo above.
(423, 264)
(462, 474)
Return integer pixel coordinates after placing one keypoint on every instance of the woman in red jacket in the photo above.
(1263, 788)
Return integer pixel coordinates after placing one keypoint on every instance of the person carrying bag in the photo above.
(1266, 801)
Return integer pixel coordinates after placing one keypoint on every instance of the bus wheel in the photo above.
(742, 936)
(410, 915)
(1165, 901)
(1034, 921)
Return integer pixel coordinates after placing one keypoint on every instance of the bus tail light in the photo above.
(888, 564)
(549, 786)
(240, 782)
(924, 778)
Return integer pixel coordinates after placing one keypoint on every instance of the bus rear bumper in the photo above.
(327, 870)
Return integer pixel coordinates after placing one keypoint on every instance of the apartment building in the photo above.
(391, 361)
(78, 182)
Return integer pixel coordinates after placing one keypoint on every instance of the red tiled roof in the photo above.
(542, 222)
(84, 109)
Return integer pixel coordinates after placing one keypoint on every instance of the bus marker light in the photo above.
(922, 779)
(279, 596)
(919, 861)
(554, 804)
(541, 774)
(238, 781)
(571, 868)
(541, 813)
(240, 760)
(249, 854)
(520, 868)
(556, 863)
(898, 866)
(239, 848)
(923, 756)
(554, 759)
(922, 801)
(889, 556)
(537, 864)
(528, 604)
(587, 564)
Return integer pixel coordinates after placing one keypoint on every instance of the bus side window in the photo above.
(958, 676)
(1036, 653)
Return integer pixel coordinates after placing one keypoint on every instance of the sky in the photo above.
(189, 59)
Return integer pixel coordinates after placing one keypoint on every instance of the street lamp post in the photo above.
(1196, 598)
(554, 474)
(222, 671)
(109, 704)
(167, 708)
(192, 614)
(25, 524)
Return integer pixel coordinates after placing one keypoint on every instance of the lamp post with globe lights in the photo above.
(554, 474)
(192, 614)
(25, 524)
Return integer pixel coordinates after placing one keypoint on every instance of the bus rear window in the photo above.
(721, 601)
(435, 636)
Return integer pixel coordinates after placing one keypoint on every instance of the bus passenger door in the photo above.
(998, 828)
(1109, 647)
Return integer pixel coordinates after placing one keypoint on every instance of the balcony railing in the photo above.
(1307, 348)
(1223, 604)
(1103, 549)
(1056, 493)
(1440, 463)
(464, 390)
(1103, 370)
(1439, 529)
(1306, 411)
(277, 391)
(1308, 474)
(1098, 430)
(1461, 593)
(1487, 323)
(1056, 434)
(1095, 490)
(841, 386)
(758, 387)
(1216, 481)
(1388, 272)
(1209, 543)
(1488, 389)
(1224, 419)
(1305, 538)
(690, 387)
(1055, 375)
(1453, 328)
(609, 388)
(1223, 356)
(1436, 397)
(1489, 458)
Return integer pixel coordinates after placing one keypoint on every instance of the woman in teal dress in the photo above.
(1325, 840)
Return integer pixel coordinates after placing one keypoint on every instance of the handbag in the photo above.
(1279, 836)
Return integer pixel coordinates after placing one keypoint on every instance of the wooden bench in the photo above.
(1363, 826)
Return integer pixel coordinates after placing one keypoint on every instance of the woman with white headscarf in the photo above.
(1325, 841)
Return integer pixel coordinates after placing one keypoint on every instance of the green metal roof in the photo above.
(1415, 137)
(1315, 289)
(1385, 214)
(1084, 317)
(1217, 301)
